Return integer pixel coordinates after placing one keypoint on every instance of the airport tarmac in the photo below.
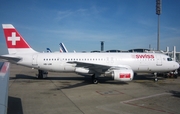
(69, 93)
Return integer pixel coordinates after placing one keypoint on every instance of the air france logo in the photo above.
(13, 38)
(140, 56)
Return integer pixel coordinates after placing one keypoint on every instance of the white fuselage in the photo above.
(138, 62)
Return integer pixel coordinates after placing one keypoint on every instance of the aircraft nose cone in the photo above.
(176, 65)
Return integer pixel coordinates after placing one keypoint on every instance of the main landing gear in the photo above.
(95, 79)
(42, 74)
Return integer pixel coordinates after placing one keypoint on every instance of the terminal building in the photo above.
(173, 54)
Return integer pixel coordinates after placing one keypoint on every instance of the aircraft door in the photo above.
(61, 64)
(34, 60)
(110, 60)
(158, 60)
(143, 65)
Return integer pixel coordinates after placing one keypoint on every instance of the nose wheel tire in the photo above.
(155, 79)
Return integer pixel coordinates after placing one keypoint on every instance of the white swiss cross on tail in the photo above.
(15, 42)
(13, 38)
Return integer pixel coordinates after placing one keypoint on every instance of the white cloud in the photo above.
(63, 14)
(81, 12)
(172, 29)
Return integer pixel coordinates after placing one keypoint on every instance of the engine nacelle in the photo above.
(123, 74)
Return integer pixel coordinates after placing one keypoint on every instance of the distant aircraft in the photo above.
(48, 50)
(120, 66)
(63, 48)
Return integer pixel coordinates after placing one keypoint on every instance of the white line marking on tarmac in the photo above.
(140, 98)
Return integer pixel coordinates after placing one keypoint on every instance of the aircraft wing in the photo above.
(10, 58)
(4, 82)
(98, 68)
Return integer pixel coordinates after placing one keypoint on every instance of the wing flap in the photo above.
(98, 68)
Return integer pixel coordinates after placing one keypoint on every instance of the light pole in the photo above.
(158, 12)
(102, 45)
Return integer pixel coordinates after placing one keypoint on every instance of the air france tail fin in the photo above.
(63, 48)
(48, 50)
(60, 50)
(16, 44)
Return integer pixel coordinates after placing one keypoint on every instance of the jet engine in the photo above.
(122, 74)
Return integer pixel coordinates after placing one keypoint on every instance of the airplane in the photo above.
(119, 66)
(48, 50)
(63, 48)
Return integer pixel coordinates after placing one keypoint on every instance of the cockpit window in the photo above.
(169, 59)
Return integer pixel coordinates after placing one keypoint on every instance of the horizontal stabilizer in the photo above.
(10, 59)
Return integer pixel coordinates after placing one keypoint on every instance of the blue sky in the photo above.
(82, 24)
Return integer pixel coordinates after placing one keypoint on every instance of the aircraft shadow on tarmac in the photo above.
(87, 78)
(14, 106)
(84, 80)
(22, 76)
(146, 77)
(175, 93)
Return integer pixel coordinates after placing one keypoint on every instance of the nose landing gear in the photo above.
(155, 77)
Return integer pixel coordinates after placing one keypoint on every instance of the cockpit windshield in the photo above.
(169, 59)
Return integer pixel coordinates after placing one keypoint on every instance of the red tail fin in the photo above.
(15, 42)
